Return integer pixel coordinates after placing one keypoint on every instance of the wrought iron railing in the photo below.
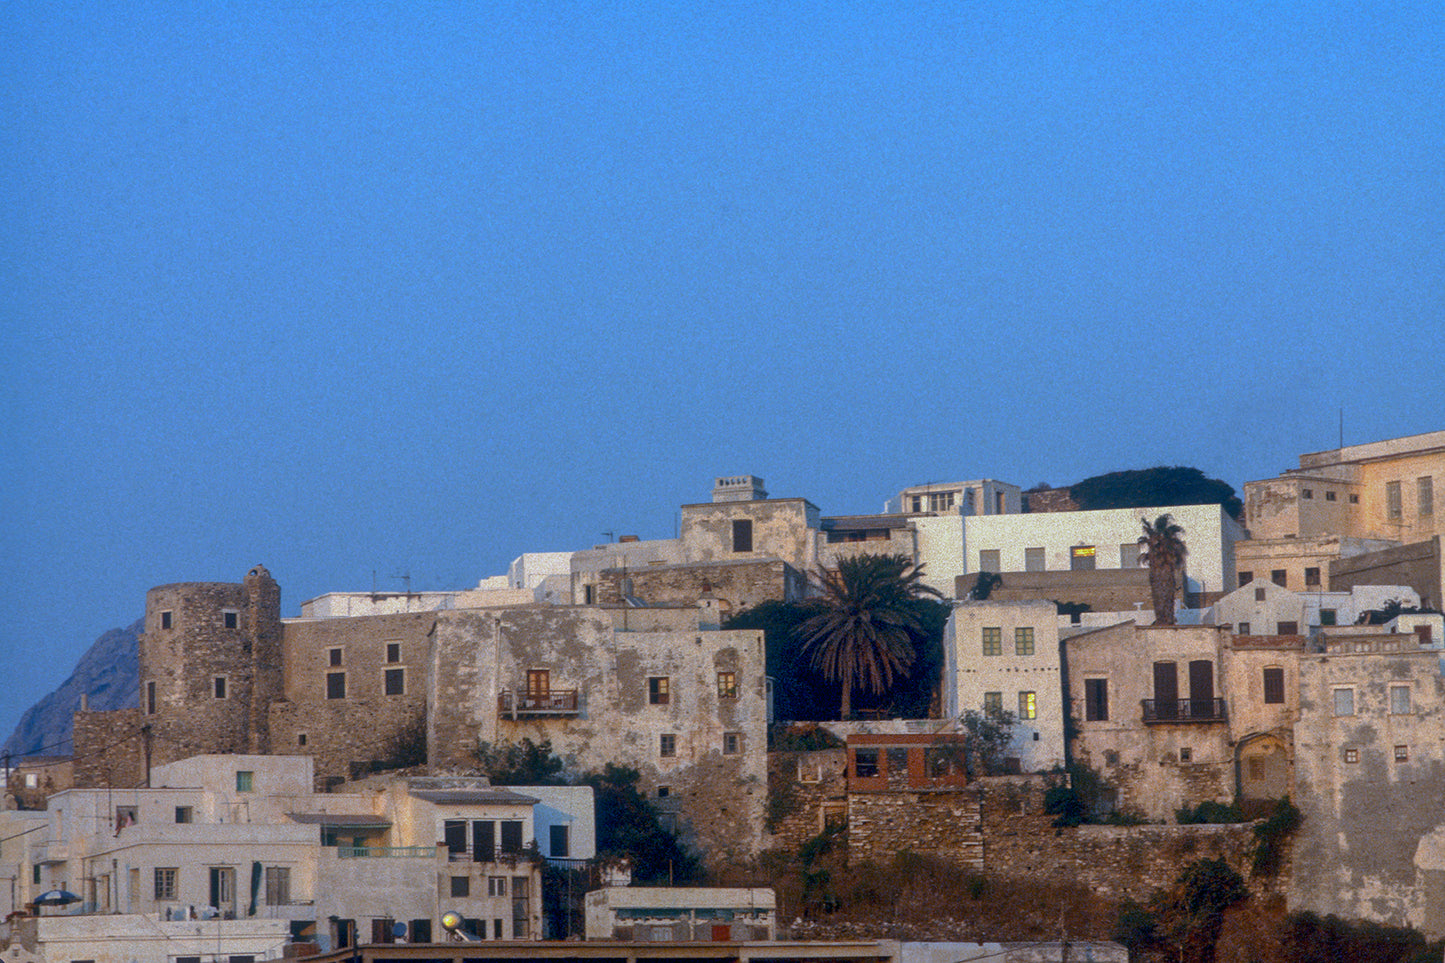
(552, 703)
(1184, 710)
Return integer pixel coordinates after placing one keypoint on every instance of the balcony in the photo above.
(1184, 711)
(376, 852)
(555, 702)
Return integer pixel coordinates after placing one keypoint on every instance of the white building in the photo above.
(1264, 608)
(682, 914)
(1005, 656)
(1102, 539)
(240, 850)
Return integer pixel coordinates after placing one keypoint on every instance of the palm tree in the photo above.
(1164, 552)
(865, 624)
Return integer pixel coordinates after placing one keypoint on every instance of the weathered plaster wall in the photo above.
(782, 528)
(1369, 843)
(805, 791)
(1419, 565)
(736, 585)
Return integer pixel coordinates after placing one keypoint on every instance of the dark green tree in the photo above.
(1161, 487)
(865, 627)
(628, 825)
(524, 763)
(1164, 552)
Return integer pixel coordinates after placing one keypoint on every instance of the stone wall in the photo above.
(1050, 500)
(109, 749)
(737, 585)
(805, 791)
(936, 822)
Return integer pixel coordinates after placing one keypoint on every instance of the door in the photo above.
(1166, 690)
(1201, 689)
(539, 688)
(223, 890)
(484, 841)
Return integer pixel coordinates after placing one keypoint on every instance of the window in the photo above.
(519, 907)
(1260, 595)
(1186, 754)
(1425, 495)
(1402, 753)
(393, 651)
(1273, 685)
(989, 560)
(245, 780)
(557, 839)
(865, 763)
(125, 816)
(166, 620)
(1352, 755)
(185, 814)
(1028, 705)
(1354, 499)
(150, 698)
(1287, 628)
(992, 703)
(1081, 558)
(230, 618)
(742, 535)
(496, 886)
(589, 595)
(539, 684)
(218, 686)
(301, 739)
(1329, 495)
(1245, 578)
(993, 641)
(727, 685)
(1243, 629)
(278, 885)
(1399, 700)
(1344, 702)
(394, 681)
(658, 690)
(667, 745)
(1328, 617)
(461, 886)
(336, 685)
(511, 835)
(1129, 555)
(732, 743)
(664, 791)
(1308, 493)
(1023, 641)
(166, 882)
(1277, 576)
(1312, 576)
(333, 657)
(1033, 560)
(1096, 700)
(1393, 506)
(496, 929)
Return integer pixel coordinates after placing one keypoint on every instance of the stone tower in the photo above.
(211, 665)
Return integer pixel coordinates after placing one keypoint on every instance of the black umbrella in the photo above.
(57, 897)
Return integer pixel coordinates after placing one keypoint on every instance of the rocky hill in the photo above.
(107, 674)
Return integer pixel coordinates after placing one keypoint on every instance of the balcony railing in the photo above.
(1184, 710)
(375, 852)
(557, 702)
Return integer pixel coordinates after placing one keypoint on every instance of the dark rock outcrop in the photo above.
(107, 675)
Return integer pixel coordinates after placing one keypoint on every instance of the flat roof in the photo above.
(464, 797)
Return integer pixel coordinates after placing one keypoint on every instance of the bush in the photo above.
(1271, 835)
(1209, 812)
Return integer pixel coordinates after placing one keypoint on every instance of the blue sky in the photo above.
(414, 288)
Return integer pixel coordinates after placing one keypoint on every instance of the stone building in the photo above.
(1369, 772)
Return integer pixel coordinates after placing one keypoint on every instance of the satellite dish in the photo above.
(398, 929)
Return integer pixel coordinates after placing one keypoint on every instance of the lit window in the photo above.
(245, 780)
(1028, 705)
(727, 685)
(1344, 702)
(1023, 641)
(1081, 558)
(993, 641)
(667, 745)
(658, 690)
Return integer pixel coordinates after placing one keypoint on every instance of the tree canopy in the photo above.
(1160, 487)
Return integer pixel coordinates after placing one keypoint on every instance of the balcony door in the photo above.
(539, 688)
(223, 890)
(1166, 690)
(1201, 689)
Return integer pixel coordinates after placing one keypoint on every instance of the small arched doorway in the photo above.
(1262, 767)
